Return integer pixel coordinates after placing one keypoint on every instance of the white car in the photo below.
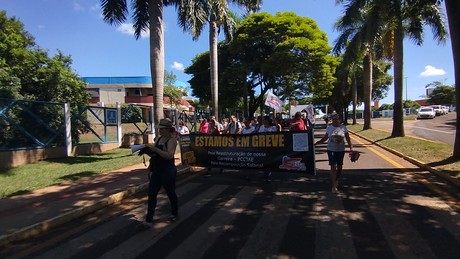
(426, 113)
(319, 115)
(445, 109)
(438, 110)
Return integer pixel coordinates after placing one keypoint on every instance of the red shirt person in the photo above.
(297, 123)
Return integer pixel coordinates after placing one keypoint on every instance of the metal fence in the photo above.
(28, 124)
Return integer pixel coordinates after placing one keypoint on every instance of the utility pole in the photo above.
(406, 86)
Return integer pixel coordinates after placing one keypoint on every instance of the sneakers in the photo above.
(171, 218)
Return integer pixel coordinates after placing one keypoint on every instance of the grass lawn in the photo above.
(34, 176)
(434, 154)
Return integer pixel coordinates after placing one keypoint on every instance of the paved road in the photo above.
(441, 128)
(387, 208)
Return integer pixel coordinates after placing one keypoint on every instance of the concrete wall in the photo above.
(10, 159)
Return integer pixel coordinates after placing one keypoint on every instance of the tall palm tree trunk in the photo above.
(245, 98)
(157, 57)
(354, 96)
(453, 9)
(367, 78)
(214, 67)
(398, 112)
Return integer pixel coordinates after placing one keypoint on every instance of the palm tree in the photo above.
(401, 18)
(147, 16)
(408, 18)
(453, 11)
(358, 41)
(194, 15)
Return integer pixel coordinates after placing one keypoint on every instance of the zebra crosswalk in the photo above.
(294, 216)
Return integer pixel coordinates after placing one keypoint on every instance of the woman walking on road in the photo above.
(163, 168)
(336, 133)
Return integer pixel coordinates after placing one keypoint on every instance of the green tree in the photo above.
(174, 93)
(10, 85)
(27, 72)
(147, 16)
(170, 78)
(363, 50)
(194, 15)
(130, 113)
(359, 44)
(411, 104)
(229, 84)
(441, 94)
(385, 107)
(262, 42)
(350, 86)
(400, 19)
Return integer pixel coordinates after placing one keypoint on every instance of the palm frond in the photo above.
(251, 6)
(140, 17)
(192, 16)
(114, 11)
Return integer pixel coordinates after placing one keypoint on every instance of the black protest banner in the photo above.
(277, 151)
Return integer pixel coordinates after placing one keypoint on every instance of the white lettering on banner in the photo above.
(283, 151)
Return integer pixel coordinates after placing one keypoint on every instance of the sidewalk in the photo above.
(23, 216)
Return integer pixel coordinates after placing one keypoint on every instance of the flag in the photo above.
(274, 102)
(311, 113)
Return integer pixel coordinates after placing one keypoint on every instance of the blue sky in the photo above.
(98, 49)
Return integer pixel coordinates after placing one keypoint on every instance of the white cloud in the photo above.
(432, 71)
(127, 28)
(177, 66)
(77, 7)
(95, 7)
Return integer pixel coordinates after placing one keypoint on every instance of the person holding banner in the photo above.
(213, 127)
(163, 168)
(183, 130)
(336, 134)
(264, 128)
(204, 125)
(248, 128)
(297, 123)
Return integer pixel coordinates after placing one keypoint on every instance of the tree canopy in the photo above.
(441, 94)
(28, 73)
(284, 52)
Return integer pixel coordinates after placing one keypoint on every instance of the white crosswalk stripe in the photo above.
(217, 214)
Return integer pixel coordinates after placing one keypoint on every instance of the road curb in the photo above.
(414, 161)
(38, 228)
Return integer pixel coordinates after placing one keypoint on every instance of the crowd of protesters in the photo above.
(259, 124)
(254, 125)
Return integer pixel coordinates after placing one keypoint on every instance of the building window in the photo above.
(93, 92)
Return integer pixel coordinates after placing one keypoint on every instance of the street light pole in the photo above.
(406, 87)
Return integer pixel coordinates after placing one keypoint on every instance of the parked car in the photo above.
(426, 113)
(445, 109)
(438, 110)
(320, 115)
